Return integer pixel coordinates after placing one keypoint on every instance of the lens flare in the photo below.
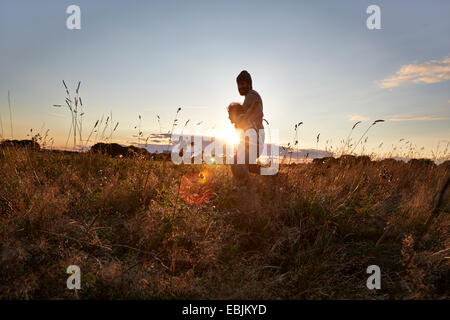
(196, 188)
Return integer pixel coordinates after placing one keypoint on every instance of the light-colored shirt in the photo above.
(253, 107)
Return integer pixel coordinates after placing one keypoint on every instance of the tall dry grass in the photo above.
(147, 229)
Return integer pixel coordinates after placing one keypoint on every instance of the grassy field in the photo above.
(143, 229)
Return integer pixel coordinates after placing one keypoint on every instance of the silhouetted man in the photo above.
(250, 117)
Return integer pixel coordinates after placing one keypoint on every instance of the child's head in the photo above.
(234, 110)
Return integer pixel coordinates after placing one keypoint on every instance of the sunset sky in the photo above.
(311, 61)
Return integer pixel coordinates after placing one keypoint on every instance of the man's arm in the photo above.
(253, 105)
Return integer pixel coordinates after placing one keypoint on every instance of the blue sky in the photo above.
(311, 61)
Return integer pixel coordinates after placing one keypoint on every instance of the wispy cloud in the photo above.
(429, 72)
(59, 115)
(357, 117)
(418, 118)
(159, 135)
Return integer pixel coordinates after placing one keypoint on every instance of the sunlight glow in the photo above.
(231, 136)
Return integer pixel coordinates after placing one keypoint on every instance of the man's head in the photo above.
(244, 82)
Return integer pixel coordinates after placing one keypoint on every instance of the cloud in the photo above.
(429, 72)
(418, 119)
(159, 135)
(59, 115)
(357, 117)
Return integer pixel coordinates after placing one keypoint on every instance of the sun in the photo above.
(231, 136)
